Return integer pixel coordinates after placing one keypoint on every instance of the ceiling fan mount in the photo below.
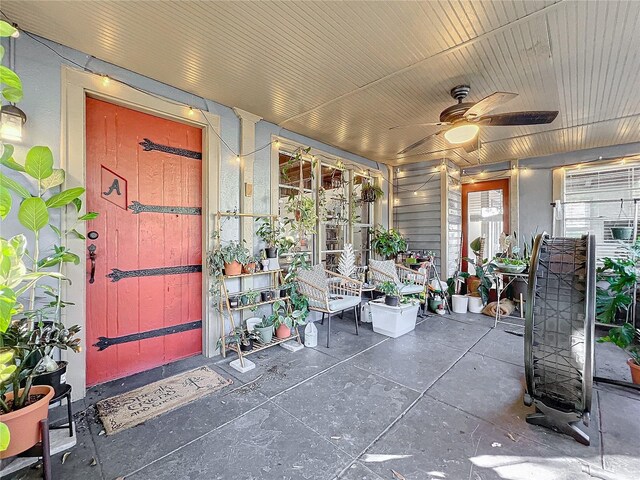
(460, 92)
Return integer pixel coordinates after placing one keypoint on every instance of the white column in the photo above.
(247, 144)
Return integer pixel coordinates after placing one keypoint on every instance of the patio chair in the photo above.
(329, 293)
(409, 282)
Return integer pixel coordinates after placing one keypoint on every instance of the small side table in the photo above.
(64, 394)
(501, 285)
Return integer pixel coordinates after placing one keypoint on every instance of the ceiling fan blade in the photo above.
(489, 103)
(430, 124)
(413, 146)
(519, 118)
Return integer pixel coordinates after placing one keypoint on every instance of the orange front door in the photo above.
(144, 298)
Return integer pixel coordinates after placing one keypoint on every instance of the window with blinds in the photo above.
(599, 197)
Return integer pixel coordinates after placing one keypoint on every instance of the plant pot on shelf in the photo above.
(283, 331)
(459, 303)
(233, 268)
(635, 371)
(271, 252)
(248, 346)
(266, 334)
(234, 302)
(391, 300)
(249, 267)
(266, 295)
(622, 233)
(24, 424)
(475, 304)
(56, 379)
(265, 264)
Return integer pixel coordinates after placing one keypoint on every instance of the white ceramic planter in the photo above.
(475, 304)
(393, 321)
(459, 303)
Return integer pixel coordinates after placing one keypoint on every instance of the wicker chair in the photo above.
(329, 293)
(409, 282)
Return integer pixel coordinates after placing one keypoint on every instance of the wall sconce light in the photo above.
(11, 121)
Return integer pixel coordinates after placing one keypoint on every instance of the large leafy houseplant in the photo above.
(387, 243)
(483, 279)
(30, 330)
(620, 276)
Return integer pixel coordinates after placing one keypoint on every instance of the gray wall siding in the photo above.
(418, 217)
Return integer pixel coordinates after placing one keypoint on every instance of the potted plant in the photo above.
(24, 345)
(370, 192)
(617, 278)
(266, 295)
(390, 290)
(251, 265)
(480, 287)
(252, 297)
(387, 243)
(234, 301)
(244, 340)
(623, 337)
(229, 257)
(394, 321)
(264, 329)
(270, 232)
(284, 319)
(28, 335)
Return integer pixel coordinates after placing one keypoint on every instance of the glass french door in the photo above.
(485, 213)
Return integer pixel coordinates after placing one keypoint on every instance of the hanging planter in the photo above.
(622, 233)
(371, 193)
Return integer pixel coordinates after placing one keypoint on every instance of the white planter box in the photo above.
(393, 321)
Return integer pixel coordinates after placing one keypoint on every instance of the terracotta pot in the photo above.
(473, 283)
(249, 267)
(24, 423)
(283, 331)
(233, 268)
(635, 371)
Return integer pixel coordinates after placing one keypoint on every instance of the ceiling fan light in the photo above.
(461, 133)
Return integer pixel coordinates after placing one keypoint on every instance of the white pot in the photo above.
(459, 303)
(393, 321)
(475, 304)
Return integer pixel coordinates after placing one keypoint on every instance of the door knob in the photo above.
(92, 257)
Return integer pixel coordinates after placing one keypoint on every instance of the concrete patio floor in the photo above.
(443, 402)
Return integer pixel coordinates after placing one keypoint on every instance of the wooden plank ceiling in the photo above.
(345, 72)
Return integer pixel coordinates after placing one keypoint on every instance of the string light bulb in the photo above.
(191, 111)
(415, 192)
(277, 142)
(105, 80)
(238, 158)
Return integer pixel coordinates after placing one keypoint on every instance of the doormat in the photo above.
(137, 406)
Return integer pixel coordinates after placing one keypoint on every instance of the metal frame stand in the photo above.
(559, 333)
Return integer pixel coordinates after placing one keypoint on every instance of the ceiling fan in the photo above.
(466, 118)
